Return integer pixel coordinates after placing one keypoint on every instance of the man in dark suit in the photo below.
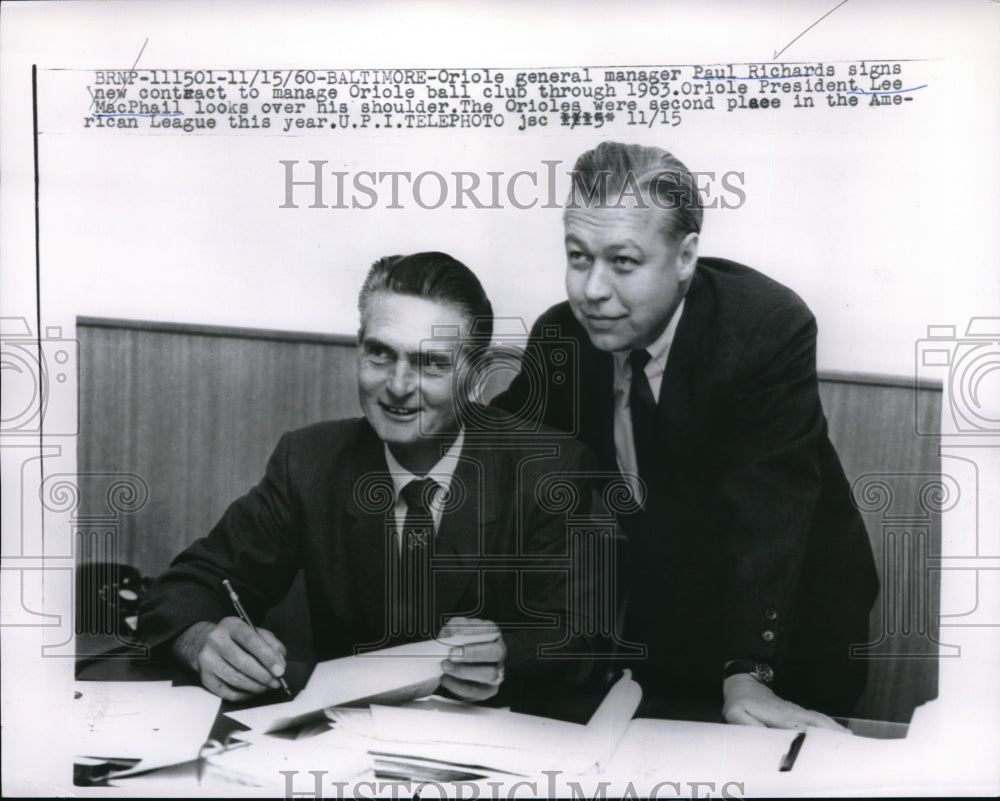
(748, 571)
(413, 518)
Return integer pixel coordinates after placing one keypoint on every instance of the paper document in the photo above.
(392, 675)
(140, 725)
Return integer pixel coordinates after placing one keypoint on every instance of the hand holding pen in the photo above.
(234, 659)
(246, 619)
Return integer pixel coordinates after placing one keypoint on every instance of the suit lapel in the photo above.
(674, 408)
(597, 390)
(465, 527)
(368, 525)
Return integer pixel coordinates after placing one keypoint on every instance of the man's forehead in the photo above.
(407, 321)
(628, 218)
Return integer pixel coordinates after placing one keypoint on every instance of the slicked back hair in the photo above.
(615, 174)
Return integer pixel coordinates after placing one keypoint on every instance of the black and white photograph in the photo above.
(500, 400)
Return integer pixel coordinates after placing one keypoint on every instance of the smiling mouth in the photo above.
(401, 412)
(600, 319)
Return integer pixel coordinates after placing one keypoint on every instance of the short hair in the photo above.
(433, 276)
(612, 171)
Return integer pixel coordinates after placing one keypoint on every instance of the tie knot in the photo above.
(419, 493)
(638, 359)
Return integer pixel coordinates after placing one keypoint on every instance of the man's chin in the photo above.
(400, 433)
(407, 433)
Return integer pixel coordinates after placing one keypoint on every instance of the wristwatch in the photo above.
(761, 671)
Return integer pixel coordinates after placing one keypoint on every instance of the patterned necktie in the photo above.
(416, 540)
(643, 406)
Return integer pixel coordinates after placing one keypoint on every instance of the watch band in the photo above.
(761, 671)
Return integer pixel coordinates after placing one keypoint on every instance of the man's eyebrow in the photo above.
(438, 355)
(375, 342)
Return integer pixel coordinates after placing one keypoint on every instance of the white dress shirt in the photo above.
(443, 472)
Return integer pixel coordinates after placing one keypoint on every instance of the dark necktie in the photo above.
(416, 541)
(643, 406)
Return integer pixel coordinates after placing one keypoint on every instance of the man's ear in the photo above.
(687, 257)
(478, 371)
(477, 385)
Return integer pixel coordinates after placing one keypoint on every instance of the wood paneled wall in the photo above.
(195, 411)
(895, 473)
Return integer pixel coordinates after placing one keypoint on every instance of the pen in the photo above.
(789, 761)
(246, 619)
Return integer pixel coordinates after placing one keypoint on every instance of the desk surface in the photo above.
(182, 780)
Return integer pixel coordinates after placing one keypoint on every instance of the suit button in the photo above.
(771, 614)
(768, 636)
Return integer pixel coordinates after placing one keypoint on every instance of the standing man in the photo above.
(411, 521)
(748, 571)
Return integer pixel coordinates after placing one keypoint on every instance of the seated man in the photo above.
(749, 572)
(400, 520)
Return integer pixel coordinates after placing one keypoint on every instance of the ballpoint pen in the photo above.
(246, 619)
(789, 760)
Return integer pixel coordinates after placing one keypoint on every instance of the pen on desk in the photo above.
(793, 752)
(246, 619)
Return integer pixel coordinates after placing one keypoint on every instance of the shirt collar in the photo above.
(658, 349)
(442, 472)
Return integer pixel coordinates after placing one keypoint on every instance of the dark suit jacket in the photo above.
(750, 546)
(324, 507)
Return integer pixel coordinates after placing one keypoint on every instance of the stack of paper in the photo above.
(266, 759)
(434, 738)
(483, 741)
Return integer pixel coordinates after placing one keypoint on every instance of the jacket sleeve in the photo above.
(768, 491)
(253, 545)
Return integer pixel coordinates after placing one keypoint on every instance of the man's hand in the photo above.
(748, 702)
(473, 672)
(232, 661)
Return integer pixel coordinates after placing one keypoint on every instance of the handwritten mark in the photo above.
(887, 91)
(738, 78)
(817, 22)
(143, 49)
(142, 114)
(134, 64)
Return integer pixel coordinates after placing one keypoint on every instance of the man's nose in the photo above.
(597, 288)
(403, 379)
